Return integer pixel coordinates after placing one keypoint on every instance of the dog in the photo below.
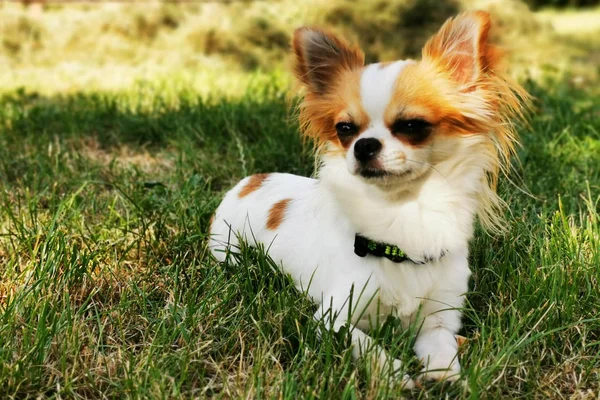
(409, 153)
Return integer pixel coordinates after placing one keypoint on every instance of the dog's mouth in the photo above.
(374, 173)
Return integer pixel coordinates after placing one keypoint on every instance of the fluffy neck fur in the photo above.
(431, 214)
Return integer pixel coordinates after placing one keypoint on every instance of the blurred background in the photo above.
(220, 45)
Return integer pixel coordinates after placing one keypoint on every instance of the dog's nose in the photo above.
(366, 149)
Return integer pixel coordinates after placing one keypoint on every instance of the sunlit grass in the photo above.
(115, 150)
(108, 290)
(574, 21)
(75, 47)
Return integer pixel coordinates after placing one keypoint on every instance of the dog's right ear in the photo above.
(321, 56)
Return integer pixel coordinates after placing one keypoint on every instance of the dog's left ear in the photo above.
(461, 47)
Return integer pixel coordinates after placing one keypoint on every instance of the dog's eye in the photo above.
(346, 129)
(415, 129)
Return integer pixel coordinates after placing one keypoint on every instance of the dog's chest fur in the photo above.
(314, 241)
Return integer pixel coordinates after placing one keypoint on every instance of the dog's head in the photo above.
(393, 122)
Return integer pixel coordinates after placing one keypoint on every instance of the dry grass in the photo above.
(109, 46)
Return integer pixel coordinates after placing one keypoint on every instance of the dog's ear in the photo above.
(320, 56)
(461, 47)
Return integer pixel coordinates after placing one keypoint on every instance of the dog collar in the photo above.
(364, 246)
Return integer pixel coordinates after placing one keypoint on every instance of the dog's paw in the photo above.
(446, 375)
(400, 378)
(440, 371)
(407, 383)
(390, 370)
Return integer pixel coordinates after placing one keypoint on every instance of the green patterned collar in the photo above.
(364, 246)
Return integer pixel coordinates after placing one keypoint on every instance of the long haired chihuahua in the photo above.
(409, 153)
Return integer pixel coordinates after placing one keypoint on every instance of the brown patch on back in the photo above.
(277, 213)
(210, 222)
(254, 183)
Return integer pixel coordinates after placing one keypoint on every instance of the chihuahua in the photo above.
(409, 153)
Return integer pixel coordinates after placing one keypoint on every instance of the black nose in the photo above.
(366, 149)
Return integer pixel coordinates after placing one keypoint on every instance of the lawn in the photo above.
(108, 289)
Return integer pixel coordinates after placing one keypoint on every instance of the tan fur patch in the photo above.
(462, 48)
(460, 340)
(254, 183)
(417, 95)
(423, 92)
(210, 222)
(320, 113)
(320, 56)
(277, 213)
(329, 67)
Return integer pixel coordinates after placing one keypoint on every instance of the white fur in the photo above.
(424, 214)
(377, 86)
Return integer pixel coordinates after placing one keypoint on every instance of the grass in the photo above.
(108, 290)
(113, 160)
